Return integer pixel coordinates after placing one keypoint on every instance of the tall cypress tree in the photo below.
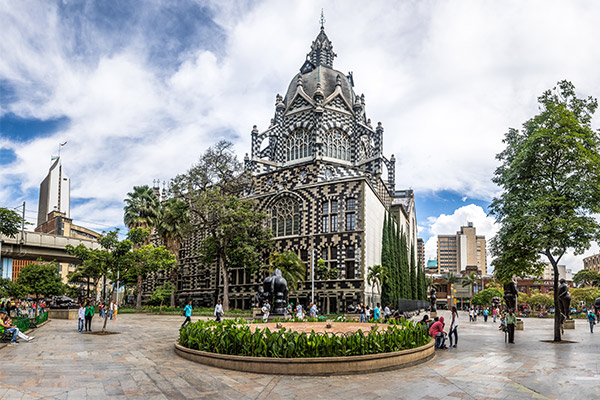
(423, 282)
(395, 259)
(405, 271)
(385, 260)
(419, 288)
(413, 274)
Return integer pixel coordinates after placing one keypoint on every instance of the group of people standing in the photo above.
(22, 308)
(87, 311)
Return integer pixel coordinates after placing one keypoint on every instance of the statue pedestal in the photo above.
(569, 324)
(519, 326)
(256, 312)
(432, 314)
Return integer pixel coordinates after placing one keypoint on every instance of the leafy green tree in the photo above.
(291, 266)
(233, 232)
(386, 289)
(114, 259)
(174, 226)
(140, 214)
(587, 295)
(324, 272)
(484, 297)
(539, 300)
(376, 276)
(9, 288)
(413, 275)
(422, 284)
(587, 277)
(10, 222)
(448, 280)
(161, 293)
(41, 279)
(550, 177)
(149, 259)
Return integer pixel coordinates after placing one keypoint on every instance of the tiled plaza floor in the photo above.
(139, 363)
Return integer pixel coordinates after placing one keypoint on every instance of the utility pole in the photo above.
(312, 275)
(23, 224)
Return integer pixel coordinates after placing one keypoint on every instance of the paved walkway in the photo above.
(139, 363)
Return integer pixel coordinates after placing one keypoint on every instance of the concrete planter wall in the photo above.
(312, 366)
(56, 313)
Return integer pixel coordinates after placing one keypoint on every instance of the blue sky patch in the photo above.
(7, 156)
(20, 129)
(443, 202)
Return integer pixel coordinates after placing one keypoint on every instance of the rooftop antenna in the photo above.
(322, 20)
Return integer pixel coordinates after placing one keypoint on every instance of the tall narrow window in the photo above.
(350, 262)
(285, 217)
(298, 145)
(336, 145)
(329, 218)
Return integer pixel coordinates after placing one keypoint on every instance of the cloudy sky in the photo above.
(140, 89)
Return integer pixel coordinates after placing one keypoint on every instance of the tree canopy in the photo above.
(291, 266)
(41, 280)
(549, 174)
(10, 222)
(587, 277)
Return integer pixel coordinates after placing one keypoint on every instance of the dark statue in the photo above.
(80, 294)
(496, 302)
(510, 295)
(597, 304)
(564, 301)
(432, 299)
(275, 290)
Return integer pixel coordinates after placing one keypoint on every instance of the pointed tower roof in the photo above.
(321, 51)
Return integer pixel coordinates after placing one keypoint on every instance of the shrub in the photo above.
(235, 337)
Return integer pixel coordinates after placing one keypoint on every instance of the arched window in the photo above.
(298, 145)
(336, 145)
(285, 217)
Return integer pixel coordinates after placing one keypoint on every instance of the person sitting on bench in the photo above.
(7, 326)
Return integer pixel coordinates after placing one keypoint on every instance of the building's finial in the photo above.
(322, 21)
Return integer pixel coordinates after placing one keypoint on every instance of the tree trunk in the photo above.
(112, 292)
(138, 302)
(557, 336)
(174, 275)
(225, 283)
(173, 279)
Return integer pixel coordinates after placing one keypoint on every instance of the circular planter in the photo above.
(312, 366)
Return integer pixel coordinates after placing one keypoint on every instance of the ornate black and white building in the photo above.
(322, 178)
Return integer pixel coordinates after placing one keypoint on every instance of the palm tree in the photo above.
(291, 266)
(141, 209)
(376, 276)
(449, 280)
(174, 226)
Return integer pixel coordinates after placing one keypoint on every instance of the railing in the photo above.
(22, 323)
(43, 317)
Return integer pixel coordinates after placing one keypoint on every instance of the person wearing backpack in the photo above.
(591, 319)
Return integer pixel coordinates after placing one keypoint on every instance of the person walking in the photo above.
(362, 311)
(387, 312)
(495, 314)
(111, 310)
(314, 311)
(219, 311)
(89, 314)
(81, 316)
(471, 312)
(591, 319)
(485, 314)
(453, 327)
(511, 321)
(377, 313)
(187, 311)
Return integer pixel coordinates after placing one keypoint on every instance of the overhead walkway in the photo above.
(36, 245)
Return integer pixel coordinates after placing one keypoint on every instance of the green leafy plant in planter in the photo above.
(235, 337)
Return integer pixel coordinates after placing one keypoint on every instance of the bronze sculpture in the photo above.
(496, 302)
(564, 301)
(275, 290)
(432, 299)
(510, 295)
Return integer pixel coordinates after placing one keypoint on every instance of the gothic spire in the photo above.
(321, 50)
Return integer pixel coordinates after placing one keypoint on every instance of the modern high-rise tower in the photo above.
(55, 193)
(462, 253)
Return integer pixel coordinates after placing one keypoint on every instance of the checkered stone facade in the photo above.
(320, 161)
